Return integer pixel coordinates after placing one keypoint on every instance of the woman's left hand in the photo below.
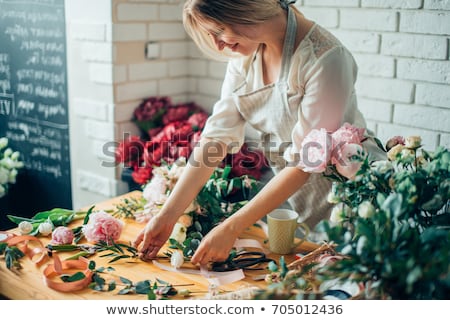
(215, 246)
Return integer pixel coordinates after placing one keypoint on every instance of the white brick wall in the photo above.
(401, 47)
(402, 50)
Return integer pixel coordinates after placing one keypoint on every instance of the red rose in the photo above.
(178, 113)
(151, 107)
(130, 151)
(198, 120)
(246, 162)
(142, 174)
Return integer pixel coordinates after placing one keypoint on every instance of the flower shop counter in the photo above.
(29, 282)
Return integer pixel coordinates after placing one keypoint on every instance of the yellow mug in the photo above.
(282, 224)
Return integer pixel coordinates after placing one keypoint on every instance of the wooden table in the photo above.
(27, 283)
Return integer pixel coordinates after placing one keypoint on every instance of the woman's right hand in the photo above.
(153, 237)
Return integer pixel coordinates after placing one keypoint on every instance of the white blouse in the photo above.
(321, 91)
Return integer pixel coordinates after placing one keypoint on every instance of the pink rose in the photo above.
(102, 227)
(315, 151)
(396, 140)
(62, 235)
(349, 159)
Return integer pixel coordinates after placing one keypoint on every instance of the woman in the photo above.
(286, 76)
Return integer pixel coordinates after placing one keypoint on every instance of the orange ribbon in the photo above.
(22, 243)
(68, 267)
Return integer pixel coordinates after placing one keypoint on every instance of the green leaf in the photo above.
(143, 287)
(74, 277)
(125, 281)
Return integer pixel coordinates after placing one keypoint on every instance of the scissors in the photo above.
(246, 260)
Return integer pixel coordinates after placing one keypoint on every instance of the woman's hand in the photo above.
(153, 237)
(215, 246)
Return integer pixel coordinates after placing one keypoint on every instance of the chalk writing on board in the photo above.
(33, 97)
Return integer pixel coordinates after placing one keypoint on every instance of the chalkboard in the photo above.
(34, 105)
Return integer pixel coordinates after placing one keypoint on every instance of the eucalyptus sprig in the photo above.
(12, 256)
(116, 250)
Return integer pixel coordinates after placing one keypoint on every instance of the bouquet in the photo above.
(222, 195)
(9, 166)
(390, 222)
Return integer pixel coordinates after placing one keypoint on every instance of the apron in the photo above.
(268, 111)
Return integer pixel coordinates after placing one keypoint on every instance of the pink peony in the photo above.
(350, 157)
(62, 235)
(102, 227)
(315, 151)
(348, 134)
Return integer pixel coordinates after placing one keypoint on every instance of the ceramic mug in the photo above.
(282, 224)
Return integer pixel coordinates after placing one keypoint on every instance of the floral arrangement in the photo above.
(390, 223)
(221, 196)
(170, 132)
(9, 166)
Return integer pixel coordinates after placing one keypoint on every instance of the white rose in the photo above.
(25, 227)
(413, 142)
(366, 209)
(45, 228)
(339, 212)
(178, 232)
(177, 259)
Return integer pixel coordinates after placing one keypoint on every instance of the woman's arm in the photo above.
(205, 158)
(218, 242)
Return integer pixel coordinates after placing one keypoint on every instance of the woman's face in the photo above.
(240, 39)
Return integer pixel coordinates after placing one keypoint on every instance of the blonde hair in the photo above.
(224, 13)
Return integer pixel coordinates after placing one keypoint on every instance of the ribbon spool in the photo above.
(59, 267)
(30, 246)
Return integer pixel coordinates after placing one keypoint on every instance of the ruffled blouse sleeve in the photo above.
(226, 124)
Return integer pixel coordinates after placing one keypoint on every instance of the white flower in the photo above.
(333, 198)
(177, 259)
(12, 176)
(339, 212)
(3, 142)
(2, 191)
(178, 232)
(25, 227)
(45, 228)
(366, 209)
(413, 142)
(382, 166)
(4, 175)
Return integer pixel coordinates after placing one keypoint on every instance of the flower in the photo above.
(25, 227)
(315, 151)
(395, 151)
(176, 259)
(366, 209)
(413, 142)
(179, 232)
(170, 132)
(102, 227)
(62, 235)
(392, 142)
(350, 160)
(9, 165)
(45, 228)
